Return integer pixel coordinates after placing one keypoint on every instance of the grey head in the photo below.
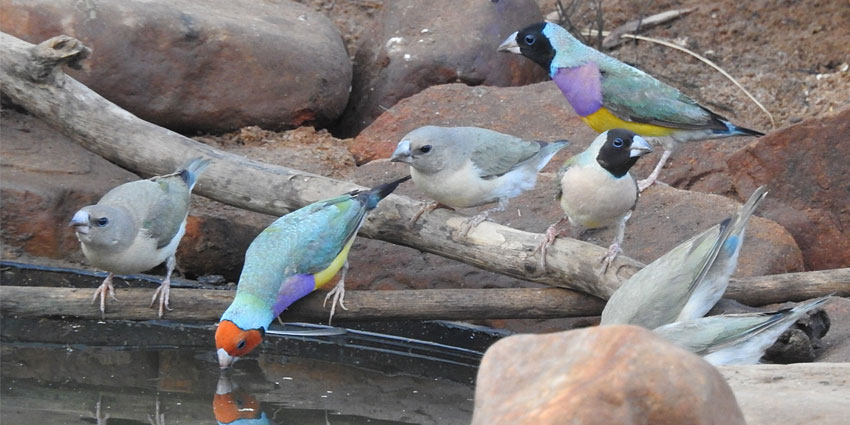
(102, 227)
(431, 149)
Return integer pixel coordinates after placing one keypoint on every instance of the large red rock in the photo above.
(215, 65)
(806, 168)
(600, 375)
(410, 47)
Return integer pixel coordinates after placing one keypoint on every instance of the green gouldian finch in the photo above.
(595, 188)
(295, 255)
(735, 338)
(464, 167)
(687, 281)
(136, 226)
(607, 93)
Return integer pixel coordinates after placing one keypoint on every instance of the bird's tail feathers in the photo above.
(193, 168)
(374, 195)
(548, 150)
(733, 129)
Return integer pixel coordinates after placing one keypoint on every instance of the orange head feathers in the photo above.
(233, 342)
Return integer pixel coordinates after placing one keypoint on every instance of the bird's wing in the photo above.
(495, 158)
(168, 210)
(635, 96)
(338, 220)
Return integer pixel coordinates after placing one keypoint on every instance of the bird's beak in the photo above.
(225, 360)
(80, 222)
(640, 147)
(402, 152)
(225, 384)
(509, 45)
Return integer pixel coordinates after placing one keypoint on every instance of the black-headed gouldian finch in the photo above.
(136, 226)
(464, 167)
(735, 338)
(295, 255)
(595, 188)
(607, 93)
(686, 282)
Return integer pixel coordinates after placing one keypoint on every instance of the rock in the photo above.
(798, 394)
(411, 47)
(600, 375)
(835, 345)
(537, 111)
(212, 66)
(805, 166)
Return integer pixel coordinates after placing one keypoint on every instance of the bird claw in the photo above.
(471, 222)
(104, 288)
(609, 257)
(430, 206)
(552, 233)
(164, 291)
(338, 293)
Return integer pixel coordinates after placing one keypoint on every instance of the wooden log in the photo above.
(115, 134)
(208, 305)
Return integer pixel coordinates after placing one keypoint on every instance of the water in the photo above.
(86, 372)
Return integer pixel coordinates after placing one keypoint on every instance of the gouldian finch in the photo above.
(595, 188)
(291, 258)
(607, 93)
(735, 338)
(685, 283)
(463, 167)
(136, 226)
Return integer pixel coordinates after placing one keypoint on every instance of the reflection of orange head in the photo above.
(236, 341)
(237, 405)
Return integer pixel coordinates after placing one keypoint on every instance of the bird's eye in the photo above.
(425, 149)
(529, 39)
(103, 221)
(241, 344)
(618, 143)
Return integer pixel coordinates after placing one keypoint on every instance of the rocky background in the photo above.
(329, 87)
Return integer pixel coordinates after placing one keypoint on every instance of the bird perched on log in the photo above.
(464, 167)
(685, 283)
(295, 255)
(735, 338)
(136, 226)
(607, 93)
(595, 188)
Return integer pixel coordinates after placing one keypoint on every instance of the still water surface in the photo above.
(85, 372)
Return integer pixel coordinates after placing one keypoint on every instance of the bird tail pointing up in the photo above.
(379, 192)
(193, 168)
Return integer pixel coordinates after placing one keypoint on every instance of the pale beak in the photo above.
(509, 45)
(640, 147)
(80, 222)
(225, 384)
(402, 152)
(225, 360)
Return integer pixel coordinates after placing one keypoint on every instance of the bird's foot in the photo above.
(102, 290)
(338, 294)
(609, 257)
(552, 233)
(163, 293)
(430, 206)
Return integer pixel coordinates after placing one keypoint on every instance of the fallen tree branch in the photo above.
(113, 133)
(207, 304)
(26, 297)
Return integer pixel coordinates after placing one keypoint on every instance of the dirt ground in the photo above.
(791, 55)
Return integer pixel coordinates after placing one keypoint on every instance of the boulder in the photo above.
(216, 65)
(599, 375)
(411, 47)
(805, 166)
